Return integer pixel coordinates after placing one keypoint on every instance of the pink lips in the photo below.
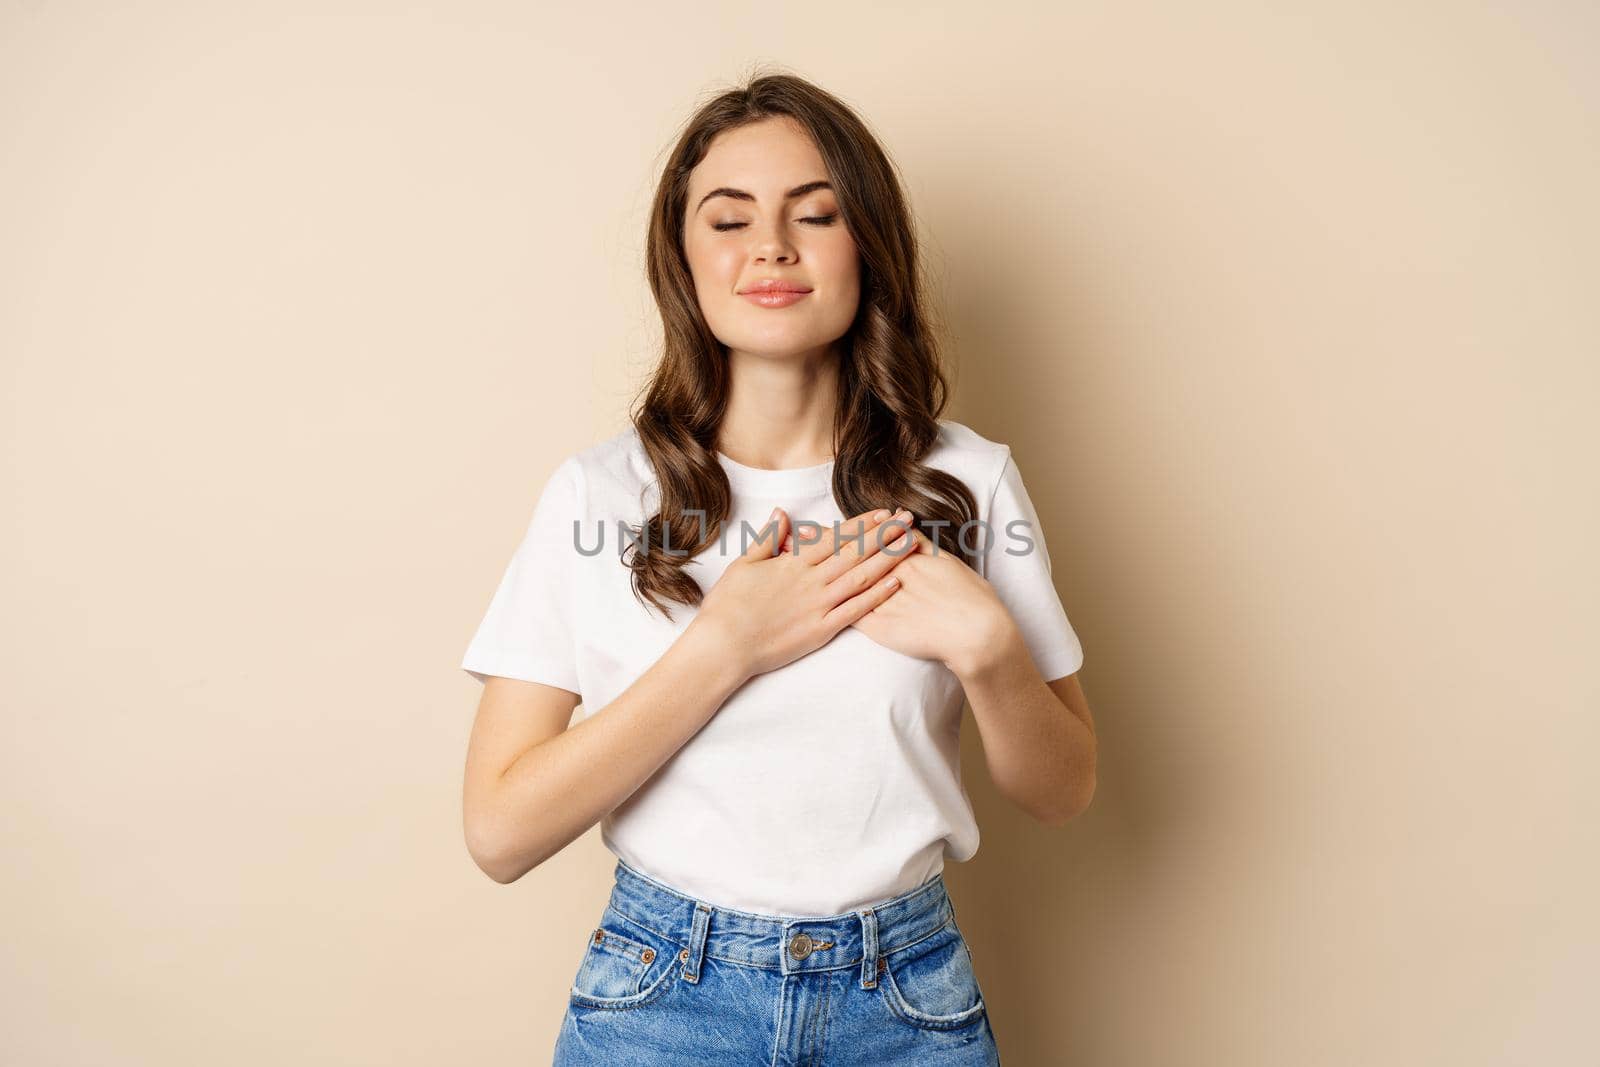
(775, 298)
(774, 293)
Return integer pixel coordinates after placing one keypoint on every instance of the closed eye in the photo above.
(815, 220)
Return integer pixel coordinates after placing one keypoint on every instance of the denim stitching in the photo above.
(899, 1006)
(854, 961)
(822, 1027)
(676, 945)
(649, 996)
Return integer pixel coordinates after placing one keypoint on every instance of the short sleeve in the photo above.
(1017, 564)
(528, 631)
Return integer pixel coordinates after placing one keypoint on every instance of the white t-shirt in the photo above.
(828, 784)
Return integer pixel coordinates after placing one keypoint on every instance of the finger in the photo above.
(808, 536)
(841, 535)
(857, 606)
(854, 548)
(871, 569)
(926, 544)
(819, 543)
(768, 537)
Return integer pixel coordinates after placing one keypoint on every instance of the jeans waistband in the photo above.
(790, 944)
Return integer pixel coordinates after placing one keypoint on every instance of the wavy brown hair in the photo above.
(892, 388)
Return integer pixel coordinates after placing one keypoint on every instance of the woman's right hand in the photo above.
(771, 607)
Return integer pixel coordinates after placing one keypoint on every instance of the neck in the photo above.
(781, 410)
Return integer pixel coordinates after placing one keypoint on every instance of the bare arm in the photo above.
(533, 786)
(1038, 736)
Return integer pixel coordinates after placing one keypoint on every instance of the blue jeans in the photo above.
(670, 981)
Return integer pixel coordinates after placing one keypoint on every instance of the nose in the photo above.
(772, 245)
(774, 254)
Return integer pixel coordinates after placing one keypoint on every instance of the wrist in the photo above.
(994, 641)
(717, 656)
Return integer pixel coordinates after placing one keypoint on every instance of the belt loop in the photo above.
(695, 953)
(869, 949)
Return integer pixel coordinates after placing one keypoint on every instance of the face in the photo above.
(760, 210)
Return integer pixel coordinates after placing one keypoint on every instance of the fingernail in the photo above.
(880, 514)
(902, 514)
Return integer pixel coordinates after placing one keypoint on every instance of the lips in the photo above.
(775, 298)
(774, 285)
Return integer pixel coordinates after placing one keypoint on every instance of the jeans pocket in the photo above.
(623, 966)
(932, 984)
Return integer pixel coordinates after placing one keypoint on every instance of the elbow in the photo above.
(1074, 803)
(504, 847)
(493, 854)
(503, 873)
(491, 861)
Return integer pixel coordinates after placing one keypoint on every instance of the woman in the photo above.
(772, 665)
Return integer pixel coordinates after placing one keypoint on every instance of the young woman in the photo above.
(771, 664)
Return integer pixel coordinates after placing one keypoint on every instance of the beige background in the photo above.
(1287, 311)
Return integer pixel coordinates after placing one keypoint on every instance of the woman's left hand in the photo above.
(943, 610)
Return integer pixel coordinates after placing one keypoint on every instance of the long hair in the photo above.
(892, 388)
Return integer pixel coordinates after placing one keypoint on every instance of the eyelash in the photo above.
(815, 220)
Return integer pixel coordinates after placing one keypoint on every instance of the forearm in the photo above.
(1040, 755)
(561, 787)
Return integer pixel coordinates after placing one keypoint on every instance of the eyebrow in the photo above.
(740, 194)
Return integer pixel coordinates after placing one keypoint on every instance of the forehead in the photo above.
(765, 158)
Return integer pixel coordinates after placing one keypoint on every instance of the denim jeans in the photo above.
(670, 981)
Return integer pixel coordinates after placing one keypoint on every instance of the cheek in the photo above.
(712, 262)
(844, 267)
(838, 264)
(839, 256)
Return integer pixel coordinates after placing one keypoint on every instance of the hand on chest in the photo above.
(620, 638)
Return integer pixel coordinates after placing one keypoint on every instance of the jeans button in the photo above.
(800, 947)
